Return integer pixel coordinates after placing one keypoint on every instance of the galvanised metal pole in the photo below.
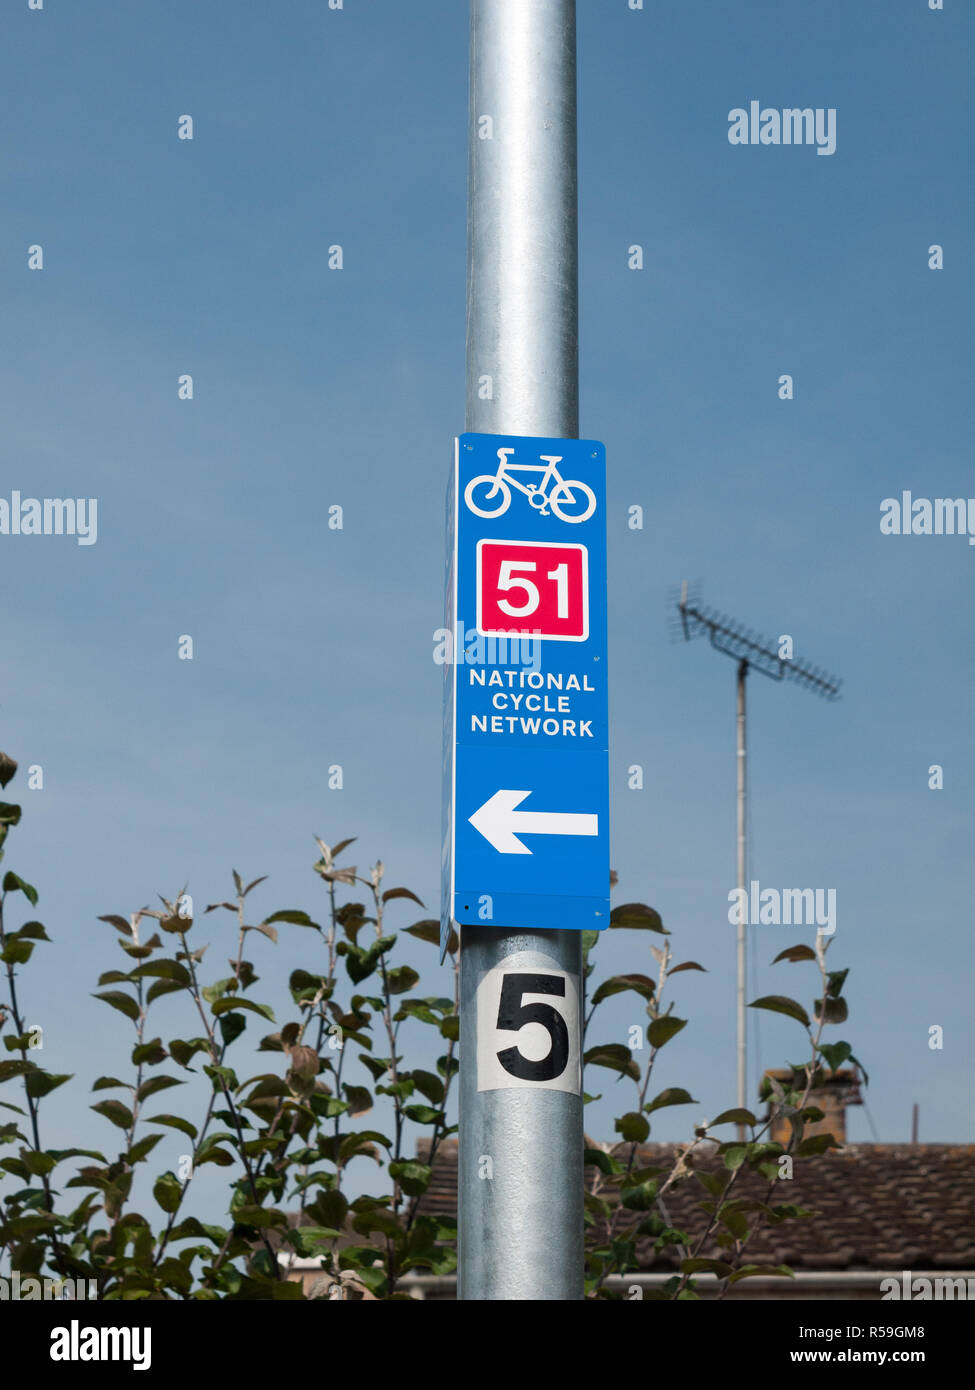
(520, 1152)
(742, 1101)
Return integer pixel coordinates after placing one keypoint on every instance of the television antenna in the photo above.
(751, 652)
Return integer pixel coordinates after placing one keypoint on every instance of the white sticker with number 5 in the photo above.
(528, 1028)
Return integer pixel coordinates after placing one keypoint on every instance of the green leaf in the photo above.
(19, 1168)
(30, 931)
(413, 1177)
(686, 965)
(816, 1144)
(735, 1155)
(429, 930)
(140, 952)
(219, 987)
(123, 1002)
(113, 977)
(422, 1114)
(270, 932)
(164, 969)
(174, 1122)
(605, 1162)
(795, 953)
(377, 1066)
(41, 1083)
(448, 1066)
(715, 1183)
(161, 987)
(412, 1008)
(18, 1067)
(429, 1085)
(263, 1218)
(105, 1083)
(191, 1229)
(753, 1271)
(359, 963)
(119, 923)
(701, 1266)
(17, 952)
(310, 1240)
(641, 984)
(637, 916)
(306, 986)
(860, 1066)
(151, 1052)
(223, 1006)
(835, 981)
(156, 1083)
(359, 1098)
(115, 1111)
(142, 1148)
(13, 883)
(615, 1056)
(7, 769)
(297, 919)
(222, 1078)
(210, 1150)
(661, 1030)
(674, 1095)
(640, 1190)
(401, 978)
(183, 1051)
(780, 1004)
(330, 1208)
(401, 893)
(634, 1127)
(168, 1191)
(788, 1211)
(9, 815)
(362, 1143)
(734, 1221)
(736, 1116)
(39, 1164)
(402, 1089)
(231, 1026)
(59, 1155)
(835, 1012)
(835, 1053)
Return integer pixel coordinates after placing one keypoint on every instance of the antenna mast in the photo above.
(751, 652)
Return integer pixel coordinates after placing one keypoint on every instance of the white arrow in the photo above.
(497, 820)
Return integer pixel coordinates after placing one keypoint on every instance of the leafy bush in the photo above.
(287, 1135)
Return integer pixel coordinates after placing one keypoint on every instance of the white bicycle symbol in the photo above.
(562, 493)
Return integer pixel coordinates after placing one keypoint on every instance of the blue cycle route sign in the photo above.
(526, 745)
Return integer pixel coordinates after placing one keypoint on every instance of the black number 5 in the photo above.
(513, 1014)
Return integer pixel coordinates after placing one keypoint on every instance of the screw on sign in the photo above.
(526, 834)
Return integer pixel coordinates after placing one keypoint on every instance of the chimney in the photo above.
(841, 1089)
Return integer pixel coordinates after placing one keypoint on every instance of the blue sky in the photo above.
(315, 387)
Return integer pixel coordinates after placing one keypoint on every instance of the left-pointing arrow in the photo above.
(498, 820)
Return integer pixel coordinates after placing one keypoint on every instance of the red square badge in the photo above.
(538, 588)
